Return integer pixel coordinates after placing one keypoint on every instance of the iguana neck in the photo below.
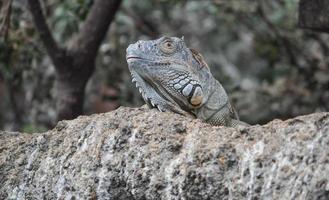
(217, 101)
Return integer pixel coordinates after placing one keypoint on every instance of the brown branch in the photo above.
(142, 24)
(9, 73)
(282, 40)
(314, 15)
(75, 64)
(95, 27)
(5, 25)
(54, 51)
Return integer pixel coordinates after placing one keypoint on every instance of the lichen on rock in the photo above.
(138, 153)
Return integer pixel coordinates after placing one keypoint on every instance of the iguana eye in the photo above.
(168, 47)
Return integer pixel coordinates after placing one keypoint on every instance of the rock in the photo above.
(137, 153)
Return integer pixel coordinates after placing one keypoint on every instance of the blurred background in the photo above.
(269, 67)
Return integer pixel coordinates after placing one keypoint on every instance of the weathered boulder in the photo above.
(137, 153)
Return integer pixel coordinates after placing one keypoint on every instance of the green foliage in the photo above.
(67, 16)
(32, 128)
(264, 47)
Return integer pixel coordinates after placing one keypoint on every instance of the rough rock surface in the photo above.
(137, 153)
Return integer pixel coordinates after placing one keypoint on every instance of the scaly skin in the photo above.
(172, 77)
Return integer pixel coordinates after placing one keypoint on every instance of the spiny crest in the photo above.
(199, 58)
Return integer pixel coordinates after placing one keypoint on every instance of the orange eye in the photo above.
(168, 47)
(168, 44)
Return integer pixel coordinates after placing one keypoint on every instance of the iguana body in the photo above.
(171, 76)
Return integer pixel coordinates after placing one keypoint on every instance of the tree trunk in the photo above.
(71, 79)
(75, 65)
(314, 14)
(70, 95)
(145, 154)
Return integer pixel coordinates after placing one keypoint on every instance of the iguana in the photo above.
(171, 76)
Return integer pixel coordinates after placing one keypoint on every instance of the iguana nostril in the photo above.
(139, 45)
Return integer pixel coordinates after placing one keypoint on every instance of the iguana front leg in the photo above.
(223, 118)
(217, 110)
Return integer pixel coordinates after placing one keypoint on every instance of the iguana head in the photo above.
(165, 70)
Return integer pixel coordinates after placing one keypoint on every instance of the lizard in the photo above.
(172, 77)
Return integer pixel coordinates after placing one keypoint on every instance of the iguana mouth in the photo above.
(134, 58)
(131, 59)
